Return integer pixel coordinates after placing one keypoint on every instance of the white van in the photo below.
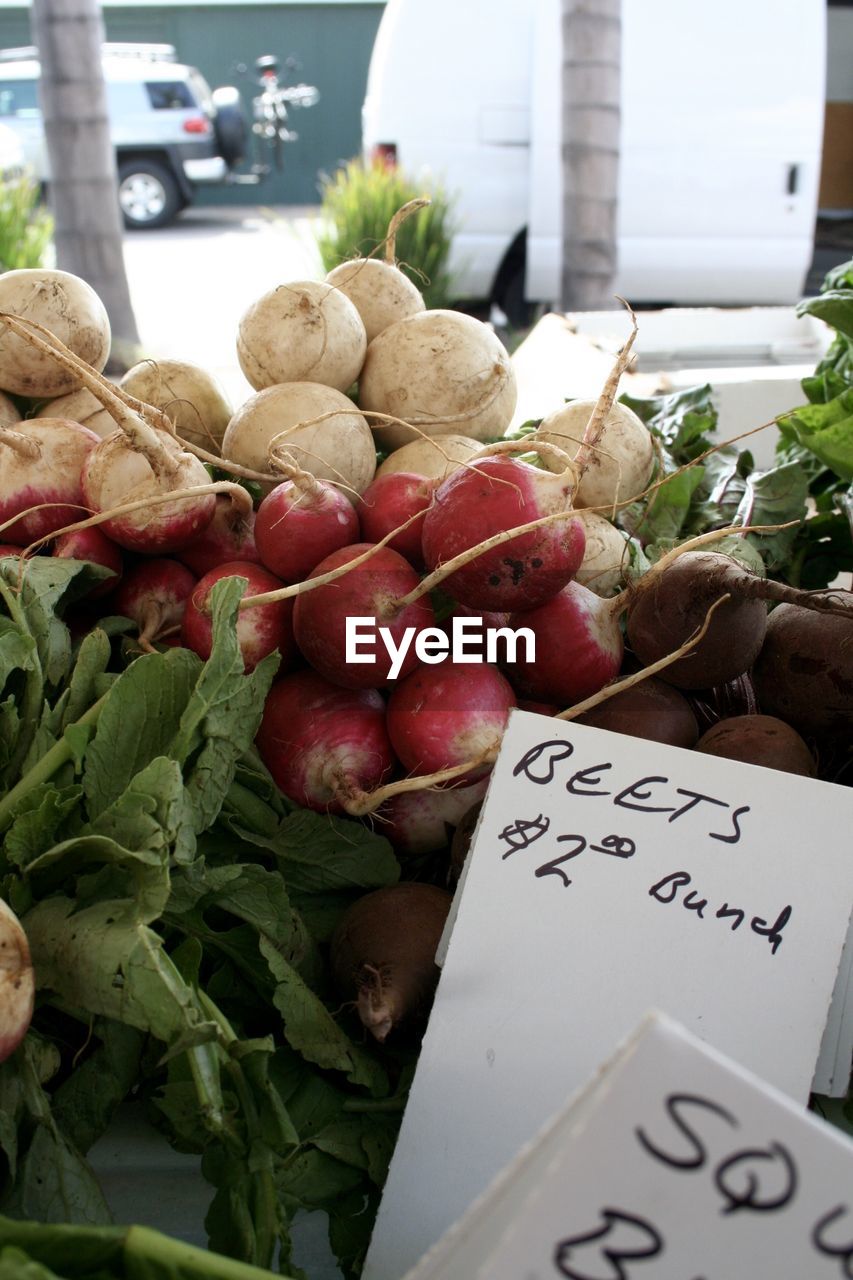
(722, 123)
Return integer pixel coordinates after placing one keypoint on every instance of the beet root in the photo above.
(383, 954)
(652, 709)
(669, 607)
(804, 673)
(759, 739)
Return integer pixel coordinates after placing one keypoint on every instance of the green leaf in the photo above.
(55, 1184)
(311, 1029)
(834, 306)
(826, 430)
(139, 722)
(39, 821)
(85, 1103)
(221, 718)
(320, 854)
(151, 813)
(47, 582)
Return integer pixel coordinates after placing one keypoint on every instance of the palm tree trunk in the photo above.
(592, 40)
(83, 187)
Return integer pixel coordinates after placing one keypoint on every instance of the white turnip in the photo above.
(379, 290)
(433, 457)
(310, 426)
(71, 310)
(620, 465)
(439, 371)
(190, 396)
(305, 331)
(81, 406)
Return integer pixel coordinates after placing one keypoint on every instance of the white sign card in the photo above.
(673, 1163)
(609, 876)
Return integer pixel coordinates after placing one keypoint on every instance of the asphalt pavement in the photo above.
(191, 282)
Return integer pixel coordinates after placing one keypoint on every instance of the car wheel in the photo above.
(230, 126)
(148, 194)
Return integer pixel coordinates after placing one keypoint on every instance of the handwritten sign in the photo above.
(608, 877)
(673, 1163)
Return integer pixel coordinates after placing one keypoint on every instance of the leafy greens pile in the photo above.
(176, 910)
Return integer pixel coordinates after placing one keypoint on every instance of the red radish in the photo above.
(325, 619)
(388, 502)
(17, 982)
(41, 462)
(383, 955)
(578, 647)
(228, 537)
(154, 594)
(9, 549)
(468, 630)
(490, 496)
(322, 743)
(422, 822)
(92, 545)
(538, 708)
(119, 470)
(260, 630)
(440, 716)
(300, 522)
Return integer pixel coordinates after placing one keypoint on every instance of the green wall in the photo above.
(332, 42)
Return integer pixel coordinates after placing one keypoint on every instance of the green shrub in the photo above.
(26, 227)
(359, 202)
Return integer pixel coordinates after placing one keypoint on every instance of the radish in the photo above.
(260, 630)
(620, 465)
(578, 647)
(188, 394)
(667, 605)
(9, 549)
(804, 673)
(438, 370)
(10, 415)
(41, 461)
(17, 982)
(328, 619)
(94, 546)
(308, 425)
(322, 743)
(433, 457)
(759, 739)
(389, 501)
(81, 406)
(491, 495)
(421, 822)
(653, 710)
(300, 522)
(154, 595)
(137, 462)
(305, 331)
(229, 536)
(441, 716)
(379, 290)
(70, 310)
(120, 470)
(383, 955)
(607, 554)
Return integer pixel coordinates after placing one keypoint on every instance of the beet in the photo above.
(651, 709)
(759, 739)
(804, 673)
(383, 954)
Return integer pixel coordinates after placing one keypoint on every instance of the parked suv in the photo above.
(171, 132)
